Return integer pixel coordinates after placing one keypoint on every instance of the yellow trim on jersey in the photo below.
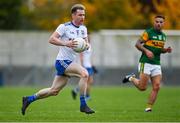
(145, 36)
(155, 43)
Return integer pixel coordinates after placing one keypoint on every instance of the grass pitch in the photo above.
(112, 104)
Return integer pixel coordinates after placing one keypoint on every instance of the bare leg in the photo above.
(58, 83)
(156, 80)
(142, 82)
(77, 70)
(89, 83)
(76, 90)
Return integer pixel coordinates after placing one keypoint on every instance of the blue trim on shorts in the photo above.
(61, 66)
(90, 71)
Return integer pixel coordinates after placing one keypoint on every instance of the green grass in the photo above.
(110, 103)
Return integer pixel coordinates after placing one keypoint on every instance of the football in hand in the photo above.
(81, 45)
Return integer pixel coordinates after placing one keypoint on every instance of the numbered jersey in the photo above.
(69, 31)
(154, 41)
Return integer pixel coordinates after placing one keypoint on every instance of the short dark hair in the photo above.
(160, 16)
(75, 7)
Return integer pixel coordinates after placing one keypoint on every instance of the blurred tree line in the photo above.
(100, 14)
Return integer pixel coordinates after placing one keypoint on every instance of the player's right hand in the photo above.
(71, 44)
(149, 54)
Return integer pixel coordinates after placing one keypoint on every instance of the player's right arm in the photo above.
(55, 38)
(140, 45)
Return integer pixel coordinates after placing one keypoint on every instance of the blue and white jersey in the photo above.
(69, 31)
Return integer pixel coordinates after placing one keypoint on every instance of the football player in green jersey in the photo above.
(151, 44)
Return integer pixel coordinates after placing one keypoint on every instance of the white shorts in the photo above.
(149, 69)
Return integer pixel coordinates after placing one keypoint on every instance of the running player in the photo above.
(63, 37)
(151, 44)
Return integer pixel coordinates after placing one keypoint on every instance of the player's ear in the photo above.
(73, 15)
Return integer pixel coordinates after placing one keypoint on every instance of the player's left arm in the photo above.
(87, 42)
(86, 38)
(166, 50)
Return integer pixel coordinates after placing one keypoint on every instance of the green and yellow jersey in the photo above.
(154, 41)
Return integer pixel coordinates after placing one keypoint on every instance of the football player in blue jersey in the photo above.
(63, 37)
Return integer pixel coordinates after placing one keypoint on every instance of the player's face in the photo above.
(158, 23)
(78, 17)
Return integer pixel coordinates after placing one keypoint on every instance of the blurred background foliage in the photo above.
(100, 14)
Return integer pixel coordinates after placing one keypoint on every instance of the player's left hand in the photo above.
(87, 46)
(169, 49)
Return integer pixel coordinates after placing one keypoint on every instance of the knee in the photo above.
(142, 88)
(84, 74)
(156, 87)
(90, 81)
(54, 92)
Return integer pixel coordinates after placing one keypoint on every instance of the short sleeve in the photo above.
(60, 29)
(144, 36)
